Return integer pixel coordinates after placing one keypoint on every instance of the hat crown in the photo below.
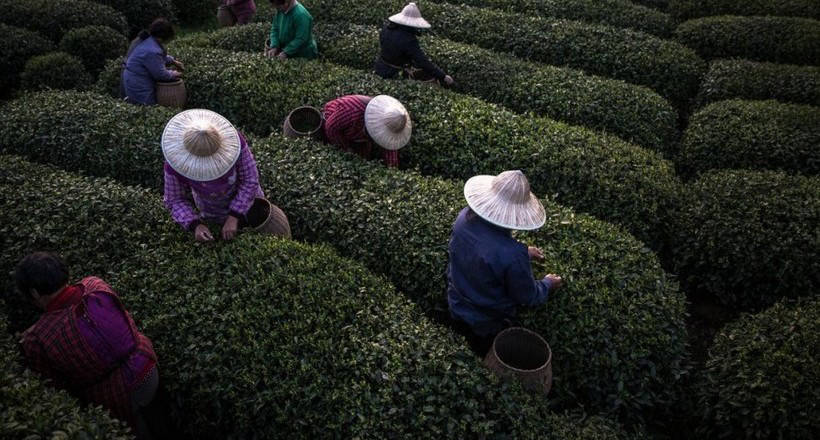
(395, 120)
(202, 142)
(512, 186)
(411, 11)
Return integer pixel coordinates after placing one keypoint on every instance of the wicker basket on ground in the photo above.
(172, 94)
(523, 354)
(267, 218)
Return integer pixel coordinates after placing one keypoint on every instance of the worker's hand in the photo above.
(535, 253)
(448, 80)
(202, 233)
(556, 282)
(230, 227)
(282, 55)
(175, 74)
(179, 65)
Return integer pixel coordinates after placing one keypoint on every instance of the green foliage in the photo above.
(140, 13)
(665, 66)
(263, 337)
(190, 11)
(744, 79)
(53, 18)
(31, 409)
(453, 135)
(661, 5)
(752, 135)
(686, 9)
(617, 330)
(749, 237)
(54, 70)
(94, 45)
(776, 39)
(761, 378)
(16, 47)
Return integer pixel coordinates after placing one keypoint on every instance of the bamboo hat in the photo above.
(388, 122)
(505, 200)
(200, 144)
(410, 16)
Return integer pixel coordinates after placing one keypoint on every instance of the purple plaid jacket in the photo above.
(231, 194)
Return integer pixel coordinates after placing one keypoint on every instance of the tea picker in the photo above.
(146, 62)
(235, 12)
(291, 32)
(400, 51)
(489, 273)
(355, 123)
(209, 160)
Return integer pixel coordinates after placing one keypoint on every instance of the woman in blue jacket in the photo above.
(146, 62)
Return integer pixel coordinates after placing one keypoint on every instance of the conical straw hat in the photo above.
(200, 144)
(388, 122)
(410, 16)
(505, 200)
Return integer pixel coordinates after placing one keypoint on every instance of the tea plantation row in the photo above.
(617, 329)
(745, 79)
(264, 337)
(685, 9)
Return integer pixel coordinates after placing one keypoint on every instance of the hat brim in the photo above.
(194, 167)
(483, 200)
(402, 19)
(374, 124)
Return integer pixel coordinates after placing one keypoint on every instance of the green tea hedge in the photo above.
(264, 337)
(761, 378)
(619, 13)
(53, 18)
(752, 135)
(453, 135)
(398, 224)
(16, 47)
(672, 70)
(634, 113)
(777, 39)
(744, 79)
(140, 13)
(94, 45)
(198, 10)
(749, 238)
(31, 409)
(686, 9)
(55, 70)
(661, 5)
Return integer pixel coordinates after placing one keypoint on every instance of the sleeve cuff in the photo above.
(192, 226)
(236, 214)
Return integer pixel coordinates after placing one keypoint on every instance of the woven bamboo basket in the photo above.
(267, 218)
(303, 121)
(523, 354)
(172, 94)
(421, 76)
(224, 16)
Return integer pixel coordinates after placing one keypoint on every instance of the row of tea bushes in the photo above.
(264, 337)
(671, 69)
(776, 39)
(752, 135)
(661, 5)
(17, 46)
(686, 9)
(398, 224)
(749, 238)
(745, 79)
(634, 113)
(53, 18)
(453, 135)
(140, 13)
(761, 379)
(31, 409)
(55, 70)
(619, 13)
(94, 45)
(194, 11)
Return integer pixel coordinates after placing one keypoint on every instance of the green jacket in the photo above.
(292, 32)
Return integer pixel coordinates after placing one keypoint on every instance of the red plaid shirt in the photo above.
(344, 127)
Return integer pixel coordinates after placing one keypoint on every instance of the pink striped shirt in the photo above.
(231, 194)
(344, 127)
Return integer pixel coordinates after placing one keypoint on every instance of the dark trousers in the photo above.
(480, 345)
(152, 410)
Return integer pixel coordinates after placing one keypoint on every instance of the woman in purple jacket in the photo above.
(242, 10)
(146, 61)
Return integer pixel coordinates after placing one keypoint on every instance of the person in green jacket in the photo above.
(291, 33)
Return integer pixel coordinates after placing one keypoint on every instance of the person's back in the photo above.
(145, 64)
(292, 32)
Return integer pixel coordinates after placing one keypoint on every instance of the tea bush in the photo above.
(749, 237)
(141, 13)
(669, 68)
(777, 39)
(198, 10)
(661, 5)
(271, 338)
(753, 135)
(54, 70)
(16, 47)
(94, 45)
(634, 113)
(744, 79)
(53, 18)
(686, 9)
(31, 409)
(453, 135)
(619, 13)
(761, 378)
(398, 224)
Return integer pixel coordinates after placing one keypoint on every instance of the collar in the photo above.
(69, 296)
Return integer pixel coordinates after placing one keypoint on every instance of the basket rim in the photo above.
(525, 330)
